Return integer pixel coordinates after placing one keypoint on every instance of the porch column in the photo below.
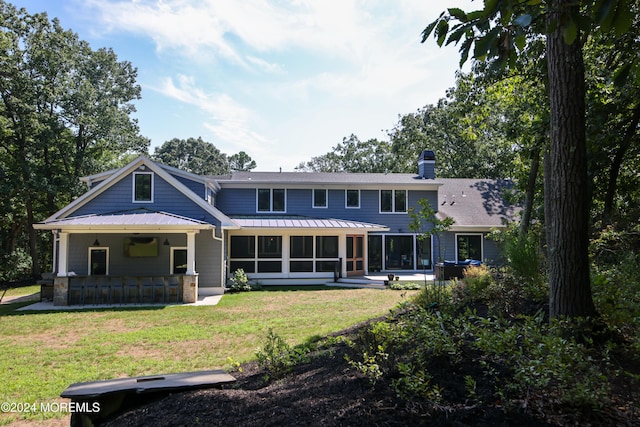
(191, 253)
(63, 253)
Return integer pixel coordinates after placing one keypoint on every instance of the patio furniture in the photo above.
(76, 291)
(90, 290)
(146, 289)
(159, 289)
(131, 289)
(173, 289)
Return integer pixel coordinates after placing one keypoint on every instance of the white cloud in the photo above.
(228, 120)
(270, 74)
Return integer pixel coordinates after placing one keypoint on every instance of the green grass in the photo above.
(25, 290)
(44, 352)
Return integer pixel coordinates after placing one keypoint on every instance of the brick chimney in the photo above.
(427, 165)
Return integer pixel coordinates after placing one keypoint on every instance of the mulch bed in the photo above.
(326, 392)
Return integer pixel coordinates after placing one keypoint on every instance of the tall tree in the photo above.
(353, 155)
(241, 162)
(62, 107)
(193, 155)
(498, 32)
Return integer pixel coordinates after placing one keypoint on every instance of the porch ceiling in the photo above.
(126, 220)
(293, 221)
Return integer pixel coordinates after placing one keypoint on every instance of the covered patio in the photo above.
(128, 257)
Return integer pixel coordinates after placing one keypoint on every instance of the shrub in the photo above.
(405, 286)
(278, 358)
(240, 282)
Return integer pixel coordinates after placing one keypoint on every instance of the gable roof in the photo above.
(476, 204)
(117, 175)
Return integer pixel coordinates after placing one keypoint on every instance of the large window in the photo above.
(424, 253)
(266, 259)
(469, 246)
(301, 254)
(271, 199)
(326, 247)
(142, 187)
(393, 201)
(320, 198)
(352, 199)
(399, 252)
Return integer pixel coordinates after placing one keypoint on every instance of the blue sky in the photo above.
(281, 80)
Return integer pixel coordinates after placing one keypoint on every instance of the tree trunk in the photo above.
(567, 196)
(617, 163)
(531, 191)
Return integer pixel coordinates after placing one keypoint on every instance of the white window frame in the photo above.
(133, 187)
(92, 248)
(313, 198)
(172, 257)
(346, 206)
(393, 202)
(271, 200)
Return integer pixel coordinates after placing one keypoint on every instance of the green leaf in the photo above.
(570, 32)
(523, 20)
(458, 13)
(521, 42)
(456, 35)
(621, 75)
(605, 13)
(441, 31)
(624, 18)
(427, 31)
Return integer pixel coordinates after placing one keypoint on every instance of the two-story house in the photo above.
(150, 232)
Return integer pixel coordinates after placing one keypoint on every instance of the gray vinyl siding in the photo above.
(208, 250)
(208, 260)
(166, 198)
(119, 264)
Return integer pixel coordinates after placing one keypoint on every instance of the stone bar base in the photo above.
(190, 289)
(61, 291)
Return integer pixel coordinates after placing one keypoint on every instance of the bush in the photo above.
(405, 286)
(278, 358)
(240, 282)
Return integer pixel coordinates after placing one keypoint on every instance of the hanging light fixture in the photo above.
(166, 242)
(96, 242)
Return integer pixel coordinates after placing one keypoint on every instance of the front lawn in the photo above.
(45, 352)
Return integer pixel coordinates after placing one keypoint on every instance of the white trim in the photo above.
(393, 202)
(133, 187)
(271, 189)
(225, 221)
(98, 248)
(171, 256)
(346, 198)
(63, 253)
(469, 234)
(313, 198)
